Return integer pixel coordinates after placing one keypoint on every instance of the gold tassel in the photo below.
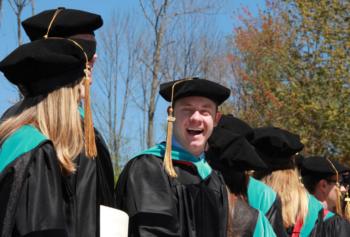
(89, 132)
(347, 205)
(167, 162)
(338, 207)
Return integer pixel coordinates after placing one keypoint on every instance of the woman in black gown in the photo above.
(53, 172)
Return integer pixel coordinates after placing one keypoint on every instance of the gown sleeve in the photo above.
(40, 207)
(274, 216)
(144, 192)
(105, 174)
(263, 227)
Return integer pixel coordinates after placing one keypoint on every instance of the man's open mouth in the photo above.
(194, 131)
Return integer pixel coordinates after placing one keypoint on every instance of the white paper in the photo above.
(113, 222)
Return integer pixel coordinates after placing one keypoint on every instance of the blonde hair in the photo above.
(57, 117)
(292, 193)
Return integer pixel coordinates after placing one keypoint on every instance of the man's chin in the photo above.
(196, 148)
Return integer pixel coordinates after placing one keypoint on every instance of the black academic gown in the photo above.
(45, 201)
(80, 194)
(274, 215)
(31, 195)
(335, 226)
(321, 223)
(161, 206)
(103, 171)
(89, 187)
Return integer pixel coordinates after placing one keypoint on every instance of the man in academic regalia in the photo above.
(322, 177)
(231, 153)
(79, 26)
(170, 189)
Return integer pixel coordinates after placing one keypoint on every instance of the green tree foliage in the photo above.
(291, 69)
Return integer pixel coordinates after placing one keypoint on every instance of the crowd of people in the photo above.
(213, 176)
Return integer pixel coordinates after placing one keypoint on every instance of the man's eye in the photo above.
(205, 112)
(187, 110)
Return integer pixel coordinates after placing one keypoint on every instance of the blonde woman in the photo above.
(48, 174)
(302, 214)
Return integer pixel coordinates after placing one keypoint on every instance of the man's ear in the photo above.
(217, 118)
(92, 61)
(323, 184)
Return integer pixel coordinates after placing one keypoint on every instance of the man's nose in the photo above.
(342, 189)
(196, 116)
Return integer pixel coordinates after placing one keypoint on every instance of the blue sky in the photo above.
(106, 8)
(8, 28)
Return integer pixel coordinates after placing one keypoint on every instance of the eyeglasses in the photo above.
(341, 182)
(331, 181)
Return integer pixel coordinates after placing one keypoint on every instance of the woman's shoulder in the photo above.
(23, 142)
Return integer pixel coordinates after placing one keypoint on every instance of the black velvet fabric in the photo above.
(195, 87)
(231, 150)
(67, 23)
(236, 125)
(320, 166)
(44, 65)
(276, 146)
(161, 206)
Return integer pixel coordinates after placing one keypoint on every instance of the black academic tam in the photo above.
(194, 86)
(321, 166)
(42, 66)
(66, 23)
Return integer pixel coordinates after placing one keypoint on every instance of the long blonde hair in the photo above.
(57, 117)
(292, 193)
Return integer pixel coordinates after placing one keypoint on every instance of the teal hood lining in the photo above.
(179, 154)
(24, 139)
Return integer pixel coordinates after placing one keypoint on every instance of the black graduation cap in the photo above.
(236, 125)
(228, 150)
(321, 166)
(276, 147)
(44, 65)
(67, 23)
(194, 87)
(315, 168)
